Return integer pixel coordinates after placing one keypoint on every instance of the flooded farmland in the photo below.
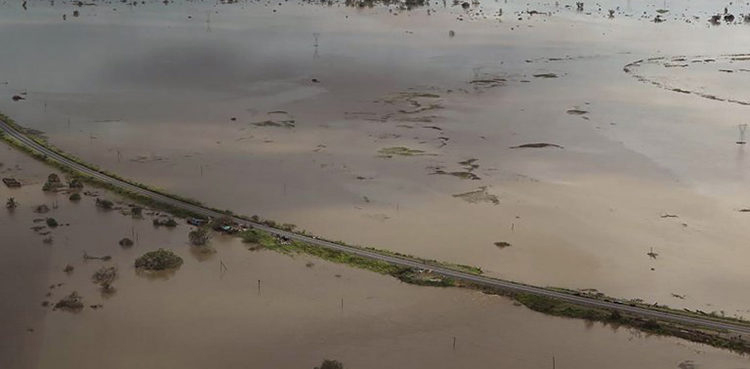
(212, 311)
(583, 149)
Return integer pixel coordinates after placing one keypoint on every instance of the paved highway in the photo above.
(395, 260)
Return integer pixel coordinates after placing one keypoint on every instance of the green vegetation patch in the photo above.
(560, 308)
(408, 275)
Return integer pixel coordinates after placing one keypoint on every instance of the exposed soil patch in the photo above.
(478, 196)
(468, 165)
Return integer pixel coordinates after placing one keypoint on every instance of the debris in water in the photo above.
(72, 303)
(576, 112)
(273, 123)
(104, 277)
(537, 145)
(389, 152)
(86, 256)
(502, 244)
(545, 75)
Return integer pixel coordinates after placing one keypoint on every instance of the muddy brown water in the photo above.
(305, 310)
(149, 92)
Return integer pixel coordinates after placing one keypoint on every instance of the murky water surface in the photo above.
(370, 125)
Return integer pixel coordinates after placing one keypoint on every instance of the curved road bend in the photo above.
(395, 260)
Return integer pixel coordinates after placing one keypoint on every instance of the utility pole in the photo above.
(742, 128)
(316, 36)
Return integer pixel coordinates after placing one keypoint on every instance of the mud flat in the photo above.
(209, 315)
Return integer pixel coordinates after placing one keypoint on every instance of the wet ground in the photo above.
(380, 126)
(213, 312)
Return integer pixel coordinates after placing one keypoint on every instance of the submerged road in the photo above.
(370, 254)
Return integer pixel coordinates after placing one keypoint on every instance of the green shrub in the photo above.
(158, 260)
(199, 237)
(51, 222)
(104, 204)
(330, 364)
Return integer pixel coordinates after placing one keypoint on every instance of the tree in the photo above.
(11, 203)
(75, 183)
(53, 183)
(222, 221)
(158, 260)
(104, 204)
(51, 222)
(199, 236)
(330, 364)
(104, 277)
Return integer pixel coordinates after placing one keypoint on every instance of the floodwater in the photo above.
(302, 311)
(284, 110)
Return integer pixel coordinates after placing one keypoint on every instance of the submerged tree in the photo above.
(104, 277)
(104, 204)
(199, 236)
(158, 260)
(330, 364)
(11, 203)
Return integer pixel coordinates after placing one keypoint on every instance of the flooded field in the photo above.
(543, 144)
(213, 312)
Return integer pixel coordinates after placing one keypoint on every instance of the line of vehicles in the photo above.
(228, 226)
(220, 225)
